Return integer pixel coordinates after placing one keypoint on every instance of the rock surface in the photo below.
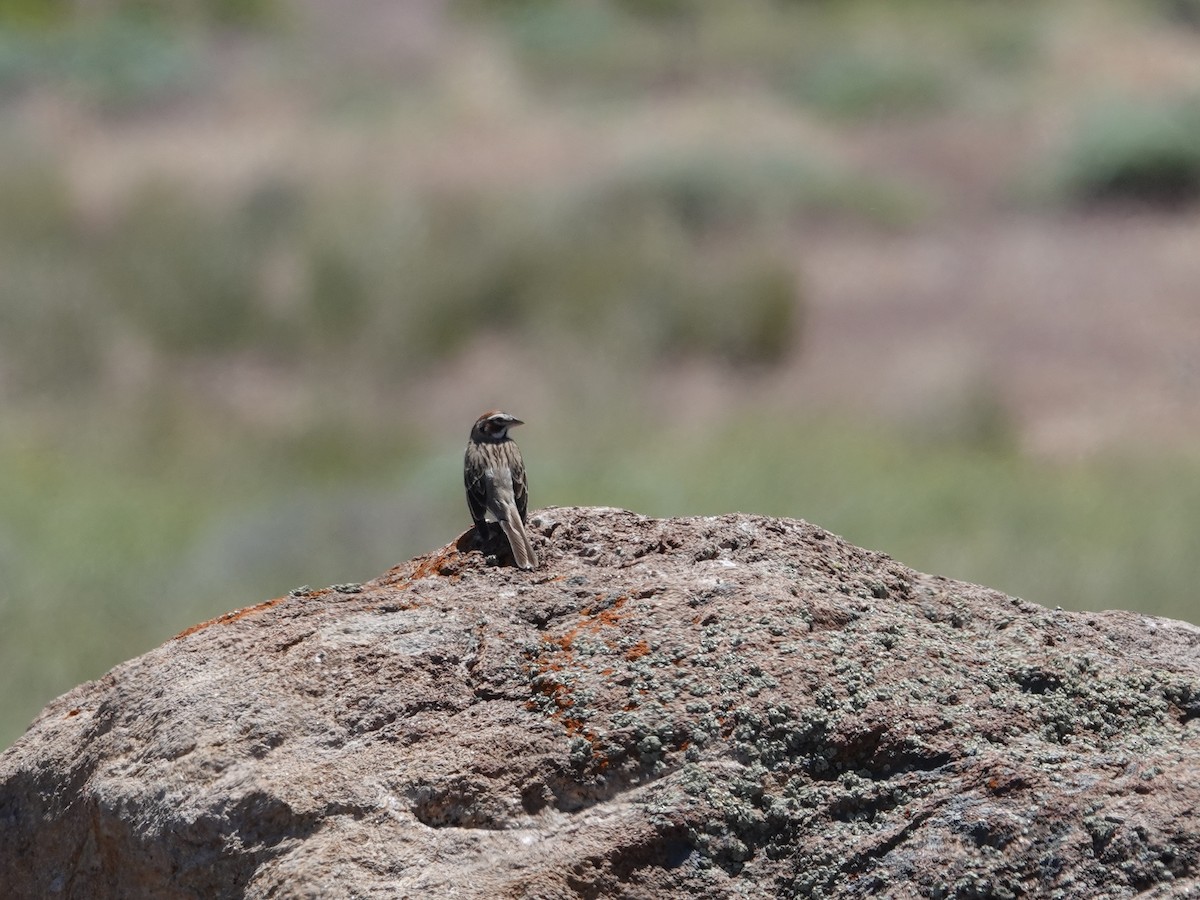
(713, 707)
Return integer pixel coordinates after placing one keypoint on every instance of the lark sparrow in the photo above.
(495, 478)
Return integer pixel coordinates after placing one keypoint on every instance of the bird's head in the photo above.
(493, 426)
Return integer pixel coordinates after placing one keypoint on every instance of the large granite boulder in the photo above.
(735, 706)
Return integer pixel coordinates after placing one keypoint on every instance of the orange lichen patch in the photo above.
(558, 693)
(575, 727)
(443, 562)
(558, 655)
(608, 614)
(396, 575)
(637, 651)
(598, 756)
(230, 617)
(592, 622)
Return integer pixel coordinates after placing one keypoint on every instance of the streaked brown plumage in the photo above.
(494, 474)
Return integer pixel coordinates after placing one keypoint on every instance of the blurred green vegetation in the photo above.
(208, 394)
(114, 64)
(847, 59)
(67, 13)
(1129, 151)
(1183, 12)
(120, 54)
(303, 279)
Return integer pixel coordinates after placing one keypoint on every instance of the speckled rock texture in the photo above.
(735, 706)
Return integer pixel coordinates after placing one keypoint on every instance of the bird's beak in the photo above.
(514, 421)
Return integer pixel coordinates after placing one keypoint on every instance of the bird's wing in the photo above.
(520, 489)
(476, 485)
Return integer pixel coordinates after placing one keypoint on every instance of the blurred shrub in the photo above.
(1181, 12)
(849, 59)
(1135, 152)
(33, 13)
(238, 13)
(49, 334)
(62, 12)
(120, 53)
(631, 268)
(591, 48)
(35, 208)
(183, 275)
(852, 84)
(113, 62)
(972, 416)
(616, 268)
(708, 193)
(644, 264)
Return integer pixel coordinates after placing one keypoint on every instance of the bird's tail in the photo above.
(514, 530)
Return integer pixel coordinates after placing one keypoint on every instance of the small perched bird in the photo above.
(495, 477)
